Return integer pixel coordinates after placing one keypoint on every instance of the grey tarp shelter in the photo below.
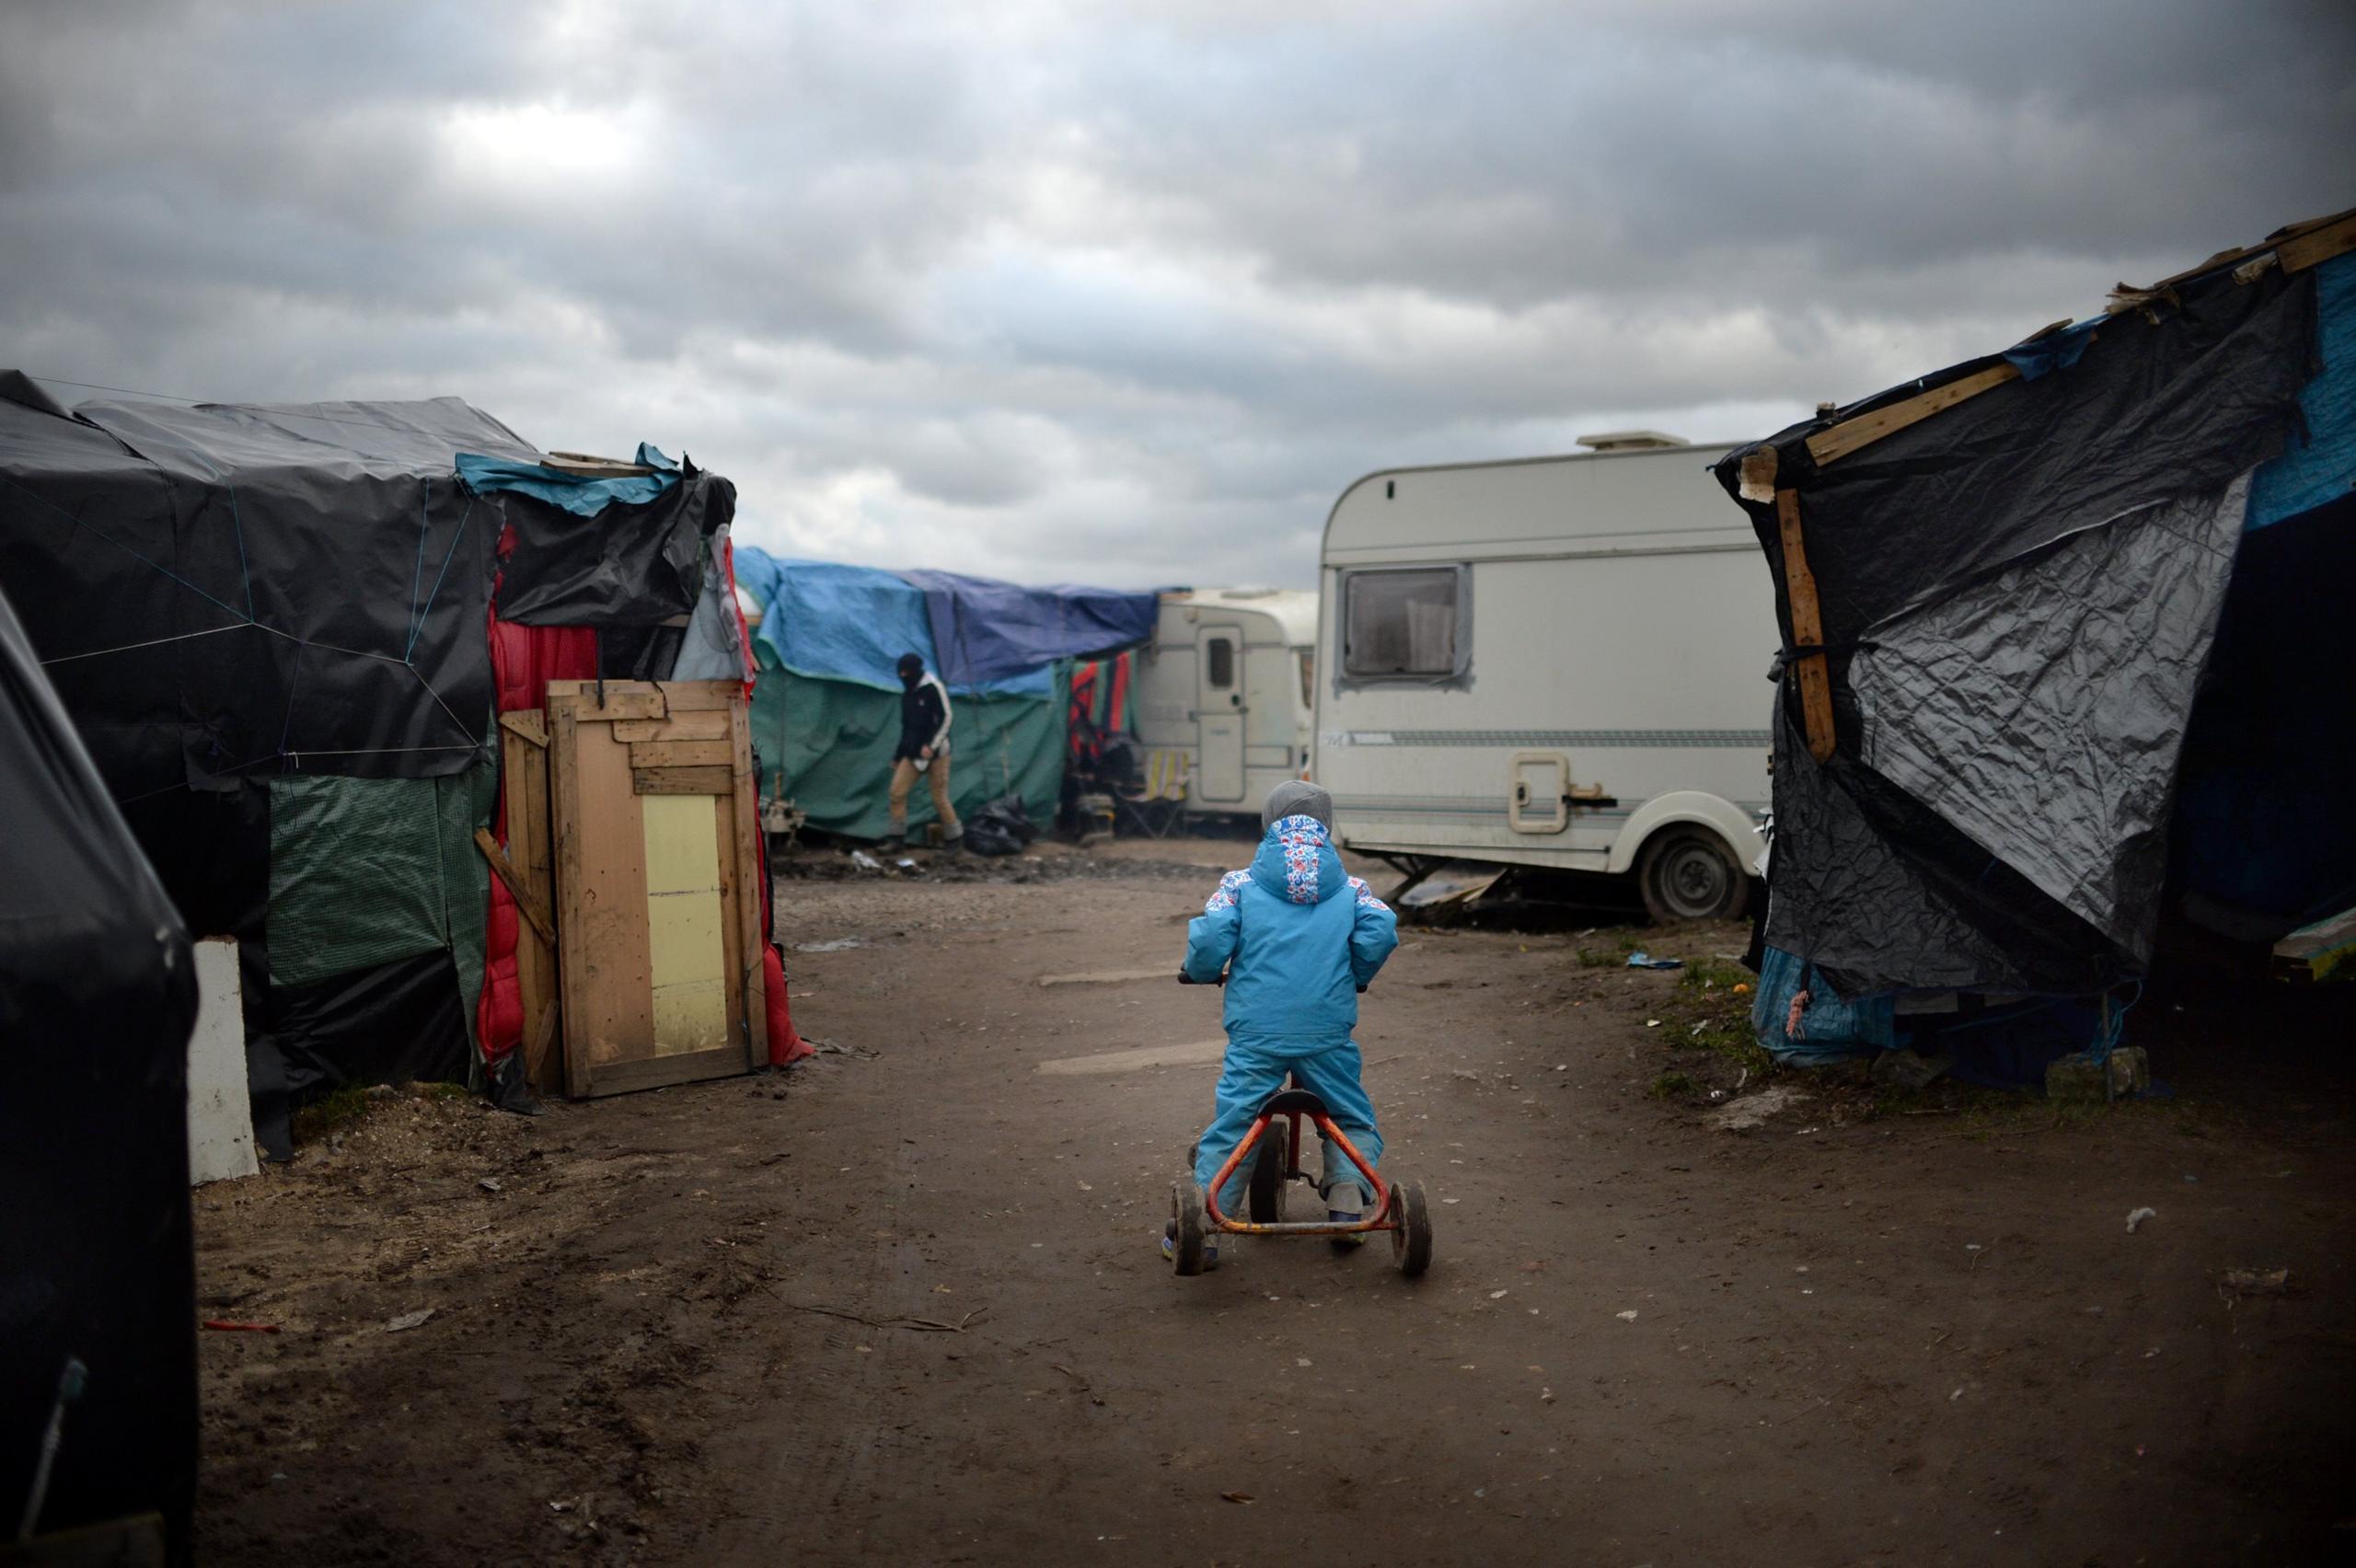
(2061, 662)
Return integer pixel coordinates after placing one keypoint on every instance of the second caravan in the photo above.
(1224, 694)
(1554, 662)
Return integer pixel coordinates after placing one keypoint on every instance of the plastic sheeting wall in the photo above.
(98, 995)
(2019, 594)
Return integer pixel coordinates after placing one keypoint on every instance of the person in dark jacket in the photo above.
(923, 749)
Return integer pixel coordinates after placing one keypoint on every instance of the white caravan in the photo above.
(1223, 696)
(1555, 662)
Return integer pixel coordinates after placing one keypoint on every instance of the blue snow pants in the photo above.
(1255, 1069)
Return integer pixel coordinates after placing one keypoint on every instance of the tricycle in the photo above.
(1271, 1145)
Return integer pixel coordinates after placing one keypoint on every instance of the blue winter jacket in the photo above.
(1298, 937)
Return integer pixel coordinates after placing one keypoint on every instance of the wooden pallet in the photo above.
(653, 833)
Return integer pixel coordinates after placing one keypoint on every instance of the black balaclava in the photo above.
(911, 669)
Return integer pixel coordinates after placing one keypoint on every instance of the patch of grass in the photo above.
(1672, 1084)
(1600, 958)
(1706, 1014)
(1732, 1039)
(440, 1091)
(1710, 975)
(339, 1112)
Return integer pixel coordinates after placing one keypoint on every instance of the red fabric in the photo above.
(785, 1045)
(1079, 727)
(1113, 724)
(524, 658)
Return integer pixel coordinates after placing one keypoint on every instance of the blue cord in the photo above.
(438, 576)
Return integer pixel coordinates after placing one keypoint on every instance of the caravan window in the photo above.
(1308, 678)
(1222, 666)
(1402, 624)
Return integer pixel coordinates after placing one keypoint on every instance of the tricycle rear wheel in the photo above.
(1271, 1161)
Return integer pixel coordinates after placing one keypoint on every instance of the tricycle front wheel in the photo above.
(1185, 1226)
(1411, 1240)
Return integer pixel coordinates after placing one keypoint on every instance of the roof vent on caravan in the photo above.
(1630, 441)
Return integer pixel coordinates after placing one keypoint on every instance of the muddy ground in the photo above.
(903, 1303)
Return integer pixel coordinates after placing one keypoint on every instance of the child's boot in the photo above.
(1170, 1246)
(1343, 1205)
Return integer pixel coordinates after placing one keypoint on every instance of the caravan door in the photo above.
(1218, 715)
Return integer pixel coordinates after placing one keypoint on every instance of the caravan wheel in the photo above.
(1686, 874)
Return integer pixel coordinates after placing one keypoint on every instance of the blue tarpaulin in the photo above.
(2057, 350)
(985, 632)
(2320, 464)
(852, 623)
(576, 493)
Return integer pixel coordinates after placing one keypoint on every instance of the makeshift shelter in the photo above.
(97, 1275)
(826, 707)
(284, 632)
(2060, 659)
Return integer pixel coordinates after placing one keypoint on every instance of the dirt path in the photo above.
(905, 1306)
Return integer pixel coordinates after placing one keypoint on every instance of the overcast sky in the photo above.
(1120, 292)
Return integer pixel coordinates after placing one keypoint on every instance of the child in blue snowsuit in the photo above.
(1299, 938)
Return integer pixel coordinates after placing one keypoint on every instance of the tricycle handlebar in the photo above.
(1186, 979)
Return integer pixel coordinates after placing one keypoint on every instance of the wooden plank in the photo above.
(2318, 245)
(710, 726)
(527, 724)
(744, 827)
(524, 905)
(659, 1072)
(609, 1005)
(2281, 241)
(571, 883)
(683, 753)
(2324, 951)
(536, 1067)
(526, 790)
(1828, 445)
(703, 697)
(523, 791)
(737, 941)
(1808, 629)
(624, 700)
(684, 780)
(591, 466)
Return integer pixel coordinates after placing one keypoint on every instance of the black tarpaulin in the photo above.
(2020, 593)
(97, 1000)
(221, 592)
(638, 564)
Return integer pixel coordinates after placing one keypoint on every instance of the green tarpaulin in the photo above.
(826, 747)
(368, 871)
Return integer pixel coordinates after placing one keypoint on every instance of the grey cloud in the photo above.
(1053, 291)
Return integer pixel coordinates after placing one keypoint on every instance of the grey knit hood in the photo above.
(1294, 798)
